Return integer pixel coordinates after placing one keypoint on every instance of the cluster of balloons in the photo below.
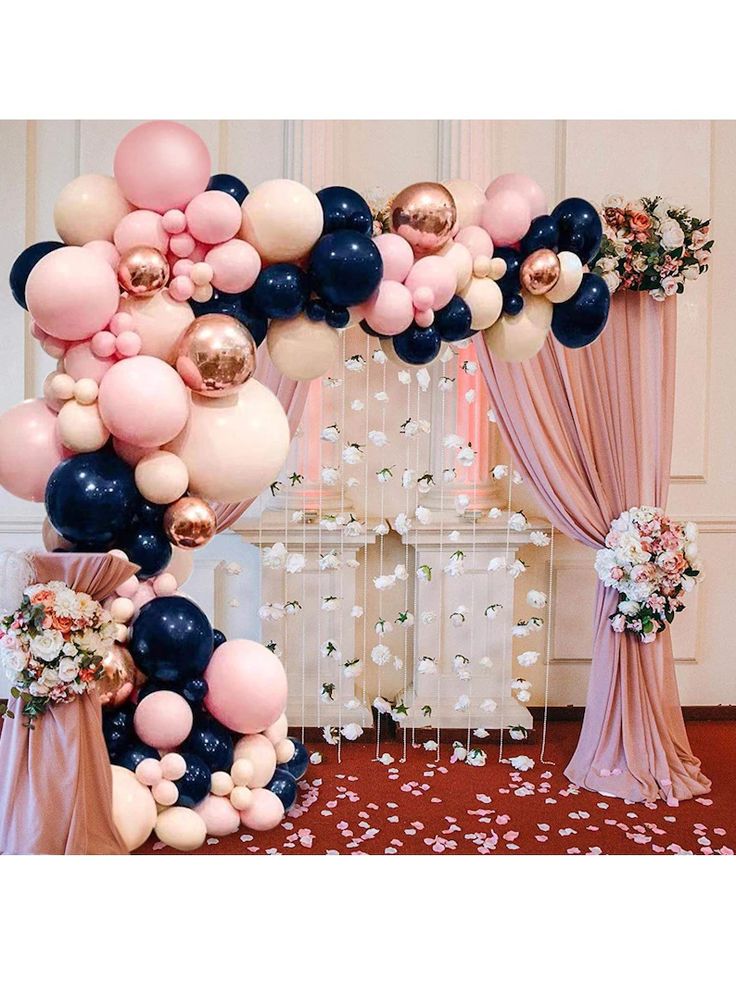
(202, 745)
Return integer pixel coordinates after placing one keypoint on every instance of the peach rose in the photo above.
(639, 221)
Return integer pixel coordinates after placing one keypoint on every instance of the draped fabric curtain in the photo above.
(591, 431)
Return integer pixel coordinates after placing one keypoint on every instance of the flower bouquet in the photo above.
(651, 245)
(652, 561)
(53, 645)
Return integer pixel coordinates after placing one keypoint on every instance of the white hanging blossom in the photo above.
(402, 523)
(518, 733)
(352, 669)
(384, 475)
(330, 382)
(488, 705)
(423, 379)
(381, 705)
(331, 560)
(408, 478)
(449, 474)
(423, 515)
(352, 731)
(329, 522)
(486, 662)
(424, 573)
(476, 757)
(517, 521)
(428, 616)
(425, 482)
(275, 556)
(357, 612)
(383, 582)
(380, 655)
(535, 623)
(398, 663)
(352, 453)
(357, 405)
(462, 502)
(381, 528)
(295, 563)
(456, 564)
(470, 367)
(453, 536)
(496, 563)
(380, 396)
(521, 689)
(517, 478)
(352, 482)
(470, 396)
(528, 658)
(353, 527)
(330, 434)
(329, 603)
(404, 377)
(500, 471)
(522, 763)
(329, 734)
(292, 608)
(330, 476)
(460, 667)
(297, 516)
(517, 568)
(405, 618)
(383, 626)
(459, 752)
(491, 416)
(463, 703)
(458, 616)
(430, 745)
(537, 599)
(491, 612)
(379, 356)
(378, 437)
(400, 572)
(495, 513)
(446, 355)
(427, 665)
(329, 649)
(327, 693)
(539, 538)
(271, 612)
(446, 384)
(521, 629)
(355, 363)
(452, 441)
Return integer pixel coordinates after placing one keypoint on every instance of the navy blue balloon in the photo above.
(171, 639)
(117, 727)
(148, 547)
(453, 321)
(344, 208)
(283, 784)
(297, 765)
(194, 690)
(218, 637)
(315, 310)
(345, 268)
(578, 321)
(280, 291)
(219, 302)
(230, 185)
(337, 317)
(509, 282)
(211, 742)
(92, 498)
(150, 515)
(418, 345)
(367, 329)
(543, 234)
(513, 304)
(254, 320)
(194, 786)
(130, 756)
(23, 267)
(579, 227)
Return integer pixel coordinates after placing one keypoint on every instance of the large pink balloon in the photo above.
(436, 273)
(81, 362)
(523, 185)
(163, 720)
(143, 401)
(30, 449)
(213, 217)
(160, 321)
(390, 310)
(235, 446)
(140, 228)
(264, 812)
(506, 216)
(247, 686)
(72, 293)
(219, 815)
(235, 266)
(476, 240)
(162, 165)
(397, 255)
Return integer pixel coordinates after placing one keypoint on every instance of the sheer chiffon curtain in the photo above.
(591, 430)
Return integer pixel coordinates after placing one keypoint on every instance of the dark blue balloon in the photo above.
(509, 282)
(418, 345)
(171, 639)
(297, 765)
(117, 727)
(344, 208)
(150, 515)
(219, 302)
(345, 268)
(218, 638)
(513, 304)
(337, 317)
(92, 498)
(211, 742)
(579, 227)
(453, 321)
(578, 321)
(543, 234)
(148, 547)
(283, 784)
(194, 786)
(315, 310)
(254, 320)
(230, 185)
(130, 756)
(367, 329)
(194, 690)
(23, 266)
(280, 291)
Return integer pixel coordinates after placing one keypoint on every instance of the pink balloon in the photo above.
(162, 165)
(140, 228)
(235, 266)
(181, 288)
(105, 250)
(476, 240)
(129, 452)
(103, 344)
(128, 588)
(143, 401)
(247, 686)
(80, 361)
(128, 344)
(163, 720)
(182, 245)
(397, 255)
(523, 185)
(219, 815)
(506, 217)
(72, 293)
(30, 449)
(390, 310)
(144, 594)
(264, 812)
(436, 273)
(213, 217)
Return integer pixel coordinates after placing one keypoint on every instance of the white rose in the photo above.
(612, 280)
(517, 521)
(613, 201)
(528, 658)
(68, 669)
(690, 272)
(36, 688)
(669, 285)
(606, 264)
(46, 646)
(671, 234)
(49, 677)
(14, 660)
(691, 531)
(628, 608)
(691, 551)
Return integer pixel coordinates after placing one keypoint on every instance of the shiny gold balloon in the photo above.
(425, 215)
(540, 271)
(189, 522)
(119, 676)
(216, 355)
(143, 271)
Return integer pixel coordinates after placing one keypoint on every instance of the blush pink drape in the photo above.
(293, 397)
(55, 779)
(591, 430)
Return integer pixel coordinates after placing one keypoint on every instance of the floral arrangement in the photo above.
(53, 645)
(651, 245)
(652, 561)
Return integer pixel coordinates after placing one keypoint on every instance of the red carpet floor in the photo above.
(362, 807)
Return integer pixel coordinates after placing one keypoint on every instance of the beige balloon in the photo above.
(81, 428)
(160, 321)
(469, 201)
(520, 338)
(161, 477)
(485, 300)
(571, 276)
(461, 260)
(282, 219)
(89, 208)
(133, 808)
(181, 828)
(301, 349)
(235, 446)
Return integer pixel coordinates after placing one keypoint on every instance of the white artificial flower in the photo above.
(36, 688)
(539, 538)
(315, 758)
(329, 522)
(295, 563)
(459, 752)
(476, 757)
(383, 582)
(398, 665)
(470, 367)
(452, 441)
(453, 536)
(488, 705)
(491, 416)
(496, 563)
(535, 623)
(352, 669)
(462, 704)
(405, 619)
(528, 658)
(271, 611)
(49, 677)
(500, 471)
(352, 482)
(423, 515)
(384, 475)
(382, 705)
(275, 556)
(330, 560)
(400, 572)
(449, 474)
(495, 513)
(518, 733)
(377, 437)
(516, 568)
(517, 521)
(292, 608)
(456, 564)
(353, 528)
(457, 617)
(379, 357)
(402, 523)
(466, 456)
(690, 531)
(445, 384)
(380, 396)
(408, 478)
(357, 405)
(430, 745)
(329, 735)
(383, 626)
(329, 603)
(536, 598)
(386, 758)
(356, 612)
(481, 733)
(460, 667)
(461, 503)
(486, 662)
(329, 649)
(352, 453)
(517, 478)
(628, 608)
(330, 434)
(520, 684)
(470, 396)
(423, 379)
(671, 234)
(380, 655)
(447, 354)
(428, 616)
(47, 646)
(404, 377)
(352, 731)
(327, 382)
(491, 612)
(424, 484)
(521, 763)
(330, 476)
(328, 693)
(355, 363)
(520, 629)
(297, 516)
(381, 529)
(15, 660)
(523, 696)
(427, 665)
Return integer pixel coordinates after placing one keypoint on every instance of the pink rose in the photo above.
(617, 573)
(671, 562)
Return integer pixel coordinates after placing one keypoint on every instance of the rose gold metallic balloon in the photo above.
(425, 215)
(189, 522)
(540, 271)
(119, 677)
(216, 355)
(143, 271)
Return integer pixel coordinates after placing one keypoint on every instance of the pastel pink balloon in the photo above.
(143, 401)
(264, 812)
(182, 245)
(129, 451)
(144, 594)
(103, 344)
(105, 250)
(219, 815)
(173, 766)
(247, 686)
(163, 720)
(149, 771)
(165, 584)
(72, 293)
(436, 273)
(235, 266)
(506, 216)
(162, 165)
(129, 587)
(30, 449)
(80, 361)
(523, 185)
(397, 255)
(424, 318)
(141, 228)
(213, 216)
(390, 310)
(174, 221)
(181, 288)
(476, 240)
(128, 344)
(160, 320)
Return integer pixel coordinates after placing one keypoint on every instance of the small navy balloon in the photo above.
(316, 310)
(345, 268)
(150, 515)
(513, 304)
(130, 756)
(117, 728)
(23, 267)
(284, 785)
(194, 786)
(194, 690)
(254, 320)
(337, 317)
(453, 321)
(171, 639)
(280, 291)
(230, 185)
(218, 638)
(543, 234)
(345, 208)
(418, 345)
(212, 742)
(147, 547)
(219, 302)
(297, 765)
(579, 227)
(509, 282)
(578, 321)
